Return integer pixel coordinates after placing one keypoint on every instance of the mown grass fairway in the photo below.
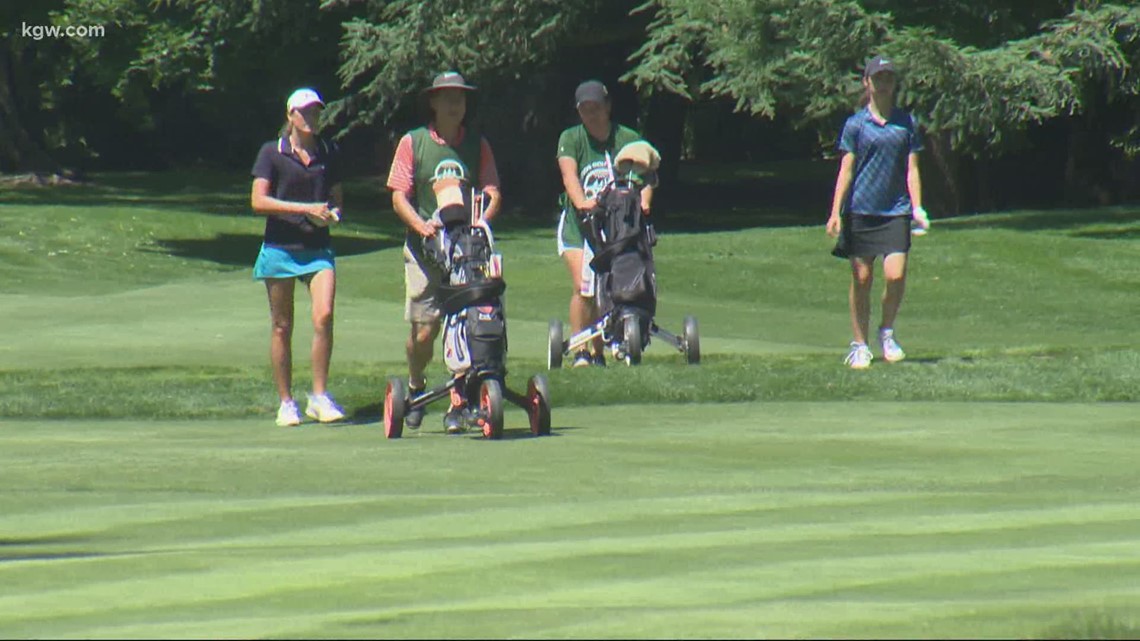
(727, 520)
(987, 487)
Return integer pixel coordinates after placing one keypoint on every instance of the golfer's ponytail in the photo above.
(286, 129)
(865, 99)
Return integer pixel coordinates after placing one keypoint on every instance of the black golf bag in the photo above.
(470, 296)
(622, 241)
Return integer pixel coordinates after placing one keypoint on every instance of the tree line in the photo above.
(1020, 101)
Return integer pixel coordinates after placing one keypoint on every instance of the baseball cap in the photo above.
(449, 80)
(878, 64)
(588, 91)
(302, 98)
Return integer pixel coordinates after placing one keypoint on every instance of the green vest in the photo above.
(434, 161)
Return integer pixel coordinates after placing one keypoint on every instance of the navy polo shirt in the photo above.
(881, 151)
(289, 179)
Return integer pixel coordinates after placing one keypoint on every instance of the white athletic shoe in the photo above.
(892, 353)
(583, 359)
(859, 357)
(323, 408)
(288, 415)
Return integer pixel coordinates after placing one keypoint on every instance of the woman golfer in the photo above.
(877, 193)
(296, 186)
(585, 154)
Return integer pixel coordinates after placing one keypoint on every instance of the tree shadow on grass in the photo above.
(241, 249)
(1107, 223)
(367, 201)
(1124, 233)
(142, 189)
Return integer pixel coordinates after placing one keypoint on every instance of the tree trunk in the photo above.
(18, 151)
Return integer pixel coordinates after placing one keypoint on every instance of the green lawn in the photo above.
(755, 520)
(984, 488)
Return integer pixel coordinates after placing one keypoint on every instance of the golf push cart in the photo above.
(624, 280)
(474, 329)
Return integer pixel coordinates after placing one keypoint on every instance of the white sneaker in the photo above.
(892, 353)
(859, 357)
(288, 415)
(323, 408)
(583, 359)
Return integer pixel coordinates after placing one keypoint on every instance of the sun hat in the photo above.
(449, 80)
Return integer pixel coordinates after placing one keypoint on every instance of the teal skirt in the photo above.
(275, 262)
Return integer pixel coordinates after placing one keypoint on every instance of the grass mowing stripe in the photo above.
(696, 591)
(286, 527)
(1001, 529)
(265, 575)
(957, 519)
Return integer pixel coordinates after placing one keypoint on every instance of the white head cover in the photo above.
(638, 156)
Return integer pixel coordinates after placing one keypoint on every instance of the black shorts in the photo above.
(865, 236)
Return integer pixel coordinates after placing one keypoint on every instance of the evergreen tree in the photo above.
(803, 58)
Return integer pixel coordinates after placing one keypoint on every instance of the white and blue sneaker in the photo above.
(456, 420)
(323, 408)
(892, 352)
(583, 359)
(288, 415)
(859, 357)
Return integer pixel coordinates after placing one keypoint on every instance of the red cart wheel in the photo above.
(395, 407)
(491, 408)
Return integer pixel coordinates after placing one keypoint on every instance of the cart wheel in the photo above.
(692, 341)
(632, 335)
(491, 408)
(395, 407)
(554, 349)
(538, 397)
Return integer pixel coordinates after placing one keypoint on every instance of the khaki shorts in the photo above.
(421, 285)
